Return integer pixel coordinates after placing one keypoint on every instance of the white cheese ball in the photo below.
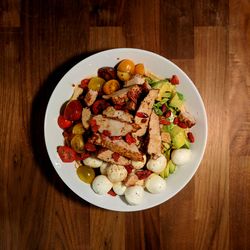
(119, 188)
(101, 184)
(92, 162)
(116, 173)
(134, 195)
(155, 184)
(157, 165)
(103, 168)
(181, 156)
(139, 164)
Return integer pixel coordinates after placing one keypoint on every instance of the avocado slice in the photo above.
(172, 167)
(179, 138)
(176, 102)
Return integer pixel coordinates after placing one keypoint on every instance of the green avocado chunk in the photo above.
(176, 102)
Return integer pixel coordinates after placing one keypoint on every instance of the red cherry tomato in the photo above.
(73, 110)
(63, 123)
(66, 153)
(99, 106)
(84, 84)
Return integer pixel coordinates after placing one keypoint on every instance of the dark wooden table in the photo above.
(41, 40)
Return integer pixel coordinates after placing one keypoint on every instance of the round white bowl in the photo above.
(88, 67)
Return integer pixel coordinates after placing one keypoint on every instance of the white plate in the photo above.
(88, 67)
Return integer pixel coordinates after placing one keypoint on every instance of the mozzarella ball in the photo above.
(101, 184)
(134, 195)
(155, 184)
(139, 164)
(181, 156)
(92, 162)
(157, 165)
(116, 173)
(119, 188)
(103, 168)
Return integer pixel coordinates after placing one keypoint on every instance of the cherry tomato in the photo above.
(110, 86)
(126, 65)
(99, 106)
(96, 83)
(107, 73)
(139, 69)
(84, 83)
(73, 110)
(63, 123)
(78, 129)
(66, 153)
(85, 173)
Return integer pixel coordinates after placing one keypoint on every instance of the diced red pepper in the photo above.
(142, 115)
(112, 192)
(163, 108)
(168, 114)
(106, 132)
(90, 147)
(176, 120)
(130, 139)
(190, 137)
(129, 168)
(182, 125)
(164, 121)
(143, 174)
(174, 80)
(116, 156)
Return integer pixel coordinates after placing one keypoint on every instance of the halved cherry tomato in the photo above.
(66, 153)
(73, 110)
(99, 106)
(84, 84)
(139, 69)
(110, 86)
(63, 123)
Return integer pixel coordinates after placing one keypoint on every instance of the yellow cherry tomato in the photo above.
(139, 69)
(110, 86)
(77, 143)
(86, 174)
(78, 129)
(123, 76)
(96, 83)
(126, 65)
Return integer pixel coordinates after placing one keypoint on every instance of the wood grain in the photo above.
(41, 40)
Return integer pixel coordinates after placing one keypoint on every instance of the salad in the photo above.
(127, 130)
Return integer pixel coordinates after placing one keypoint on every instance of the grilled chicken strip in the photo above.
(86, 115)
(107, 155)
(137, 79)
(121, 115)
(114, 127)
(154, 144)
(144, 112)
(119, 146)
(119, 97)
(90, 97)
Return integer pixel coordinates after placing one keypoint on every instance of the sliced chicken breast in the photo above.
(121, 115)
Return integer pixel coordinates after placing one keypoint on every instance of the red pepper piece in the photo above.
(174, 80)
(90, 147)
(130, 139)
(116, 156)
(129, 168)
(142, 115)
(190, 137)
(164, 121)
(143, 174)
(112, 192)
(176, 120)
(182, 125)
(106, 132)
(168, 114)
